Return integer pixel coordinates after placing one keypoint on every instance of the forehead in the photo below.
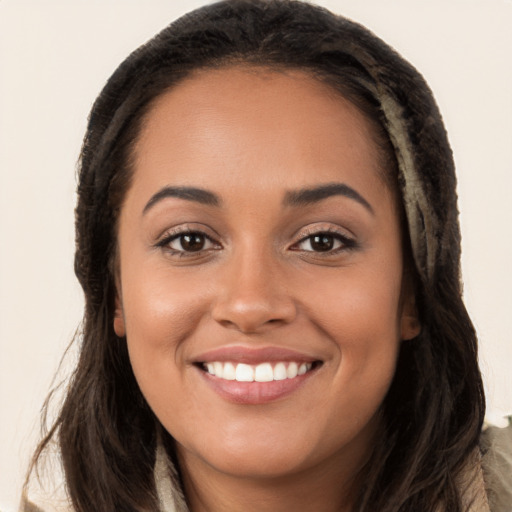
(257, 124)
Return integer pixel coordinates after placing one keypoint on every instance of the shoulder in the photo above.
(496, 447)
(28, 506)
(45, 492)
(44, 505)
(40, 503)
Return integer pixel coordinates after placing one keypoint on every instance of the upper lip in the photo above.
(250, 355)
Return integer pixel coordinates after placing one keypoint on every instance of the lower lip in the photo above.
(255, 393)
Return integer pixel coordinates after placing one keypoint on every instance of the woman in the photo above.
(268, 243)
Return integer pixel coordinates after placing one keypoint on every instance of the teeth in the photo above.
(263, 372)
(244, 373)
(280, 371)
(218, 369)
(229, 372)
(292, 370)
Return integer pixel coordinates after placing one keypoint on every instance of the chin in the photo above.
(274, 462)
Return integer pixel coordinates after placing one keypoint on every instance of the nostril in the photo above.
(251, 312)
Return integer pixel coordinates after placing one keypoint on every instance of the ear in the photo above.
(410, 325)
(119, 326)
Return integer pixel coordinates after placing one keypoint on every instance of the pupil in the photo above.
(322, 242)
(192, 242)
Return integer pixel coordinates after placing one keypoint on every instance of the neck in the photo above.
(330, 487)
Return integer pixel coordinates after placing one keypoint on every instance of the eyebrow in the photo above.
(198, 195)
(307, 196)
(296, 198)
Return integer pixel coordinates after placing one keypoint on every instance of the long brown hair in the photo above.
(434, 409)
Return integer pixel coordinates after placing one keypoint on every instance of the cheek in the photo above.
(158, 313)
(161, 315)
(361, 317)
(360, 310)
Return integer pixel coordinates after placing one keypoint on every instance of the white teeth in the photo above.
(244, 373)
(229, 372)
(292, 370)
(263, 372)
(218, 368)
(280, 371)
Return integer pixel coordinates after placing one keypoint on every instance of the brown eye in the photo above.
(325, 242)
(322, 242)
(192, 242)
(189, 242)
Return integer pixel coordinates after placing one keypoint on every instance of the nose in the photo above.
(253, 295)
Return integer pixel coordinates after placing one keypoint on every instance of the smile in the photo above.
(263, 372)
(251, 376)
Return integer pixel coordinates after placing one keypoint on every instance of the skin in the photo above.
(250, 136)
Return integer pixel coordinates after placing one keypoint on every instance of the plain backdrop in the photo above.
(55, 57)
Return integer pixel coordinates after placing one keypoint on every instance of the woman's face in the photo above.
(260, 273)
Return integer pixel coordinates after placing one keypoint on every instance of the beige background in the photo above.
(55, 57)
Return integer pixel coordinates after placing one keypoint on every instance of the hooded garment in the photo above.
(486, 482)
(426, 178)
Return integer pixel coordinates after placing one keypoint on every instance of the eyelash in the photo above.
(166, 242)
(346, 243)
(330, 236)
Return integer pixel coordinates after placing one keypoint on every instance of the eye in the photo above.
(324, 242)
(188, 242)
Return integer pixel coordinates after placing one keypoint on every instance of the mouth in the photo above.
(249, 376)
(262, 372)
